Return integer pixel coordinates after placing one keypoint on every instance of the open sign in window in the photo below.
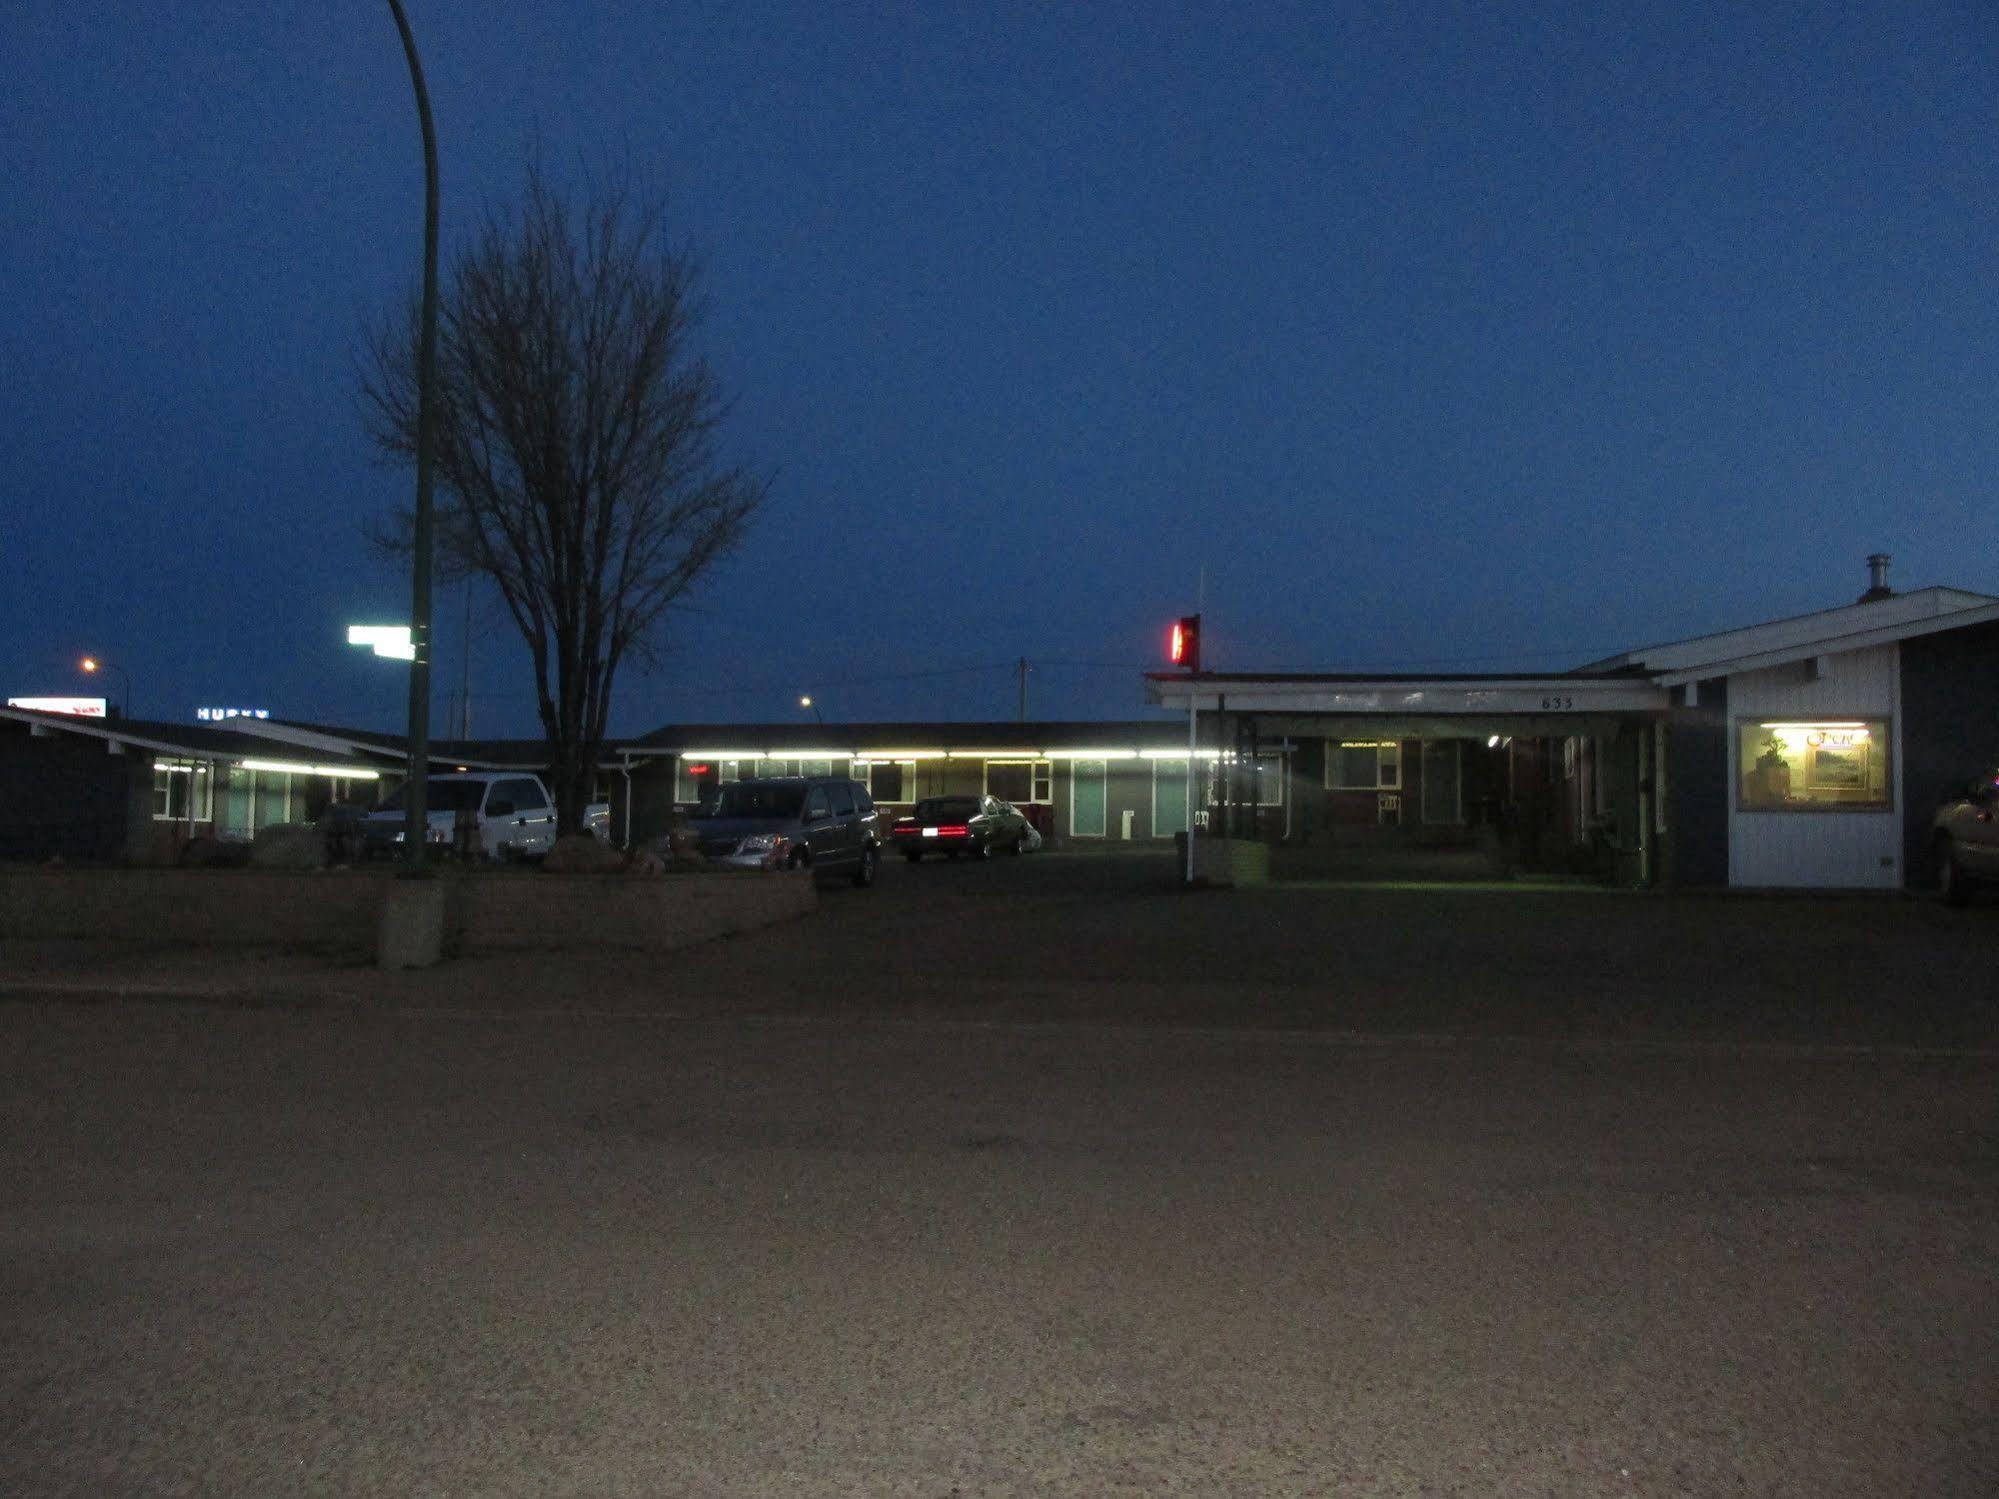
(1830, 765)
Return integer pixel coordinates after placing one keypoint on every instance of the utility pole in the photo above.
(1021, 669)
(416, 826)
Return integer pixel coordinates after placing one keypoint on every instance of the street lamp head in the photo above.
(88, 663)
(805, 702)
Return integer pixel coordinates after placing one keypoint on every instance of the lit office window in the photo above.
(1838, 765)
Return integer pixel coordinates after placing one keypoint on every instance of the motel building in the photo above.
(1083, 784)
(1803, 753)
(100, 788)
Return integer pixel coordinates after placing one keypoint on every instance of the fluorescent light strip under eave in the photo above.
(735, 754)
(1821, 725)
(994, 754)
(1090, 754)
(1179, 754)
(901, 754)
(343, 772)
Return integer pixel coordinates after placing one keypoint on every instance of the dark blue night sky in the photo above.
(1441, 337)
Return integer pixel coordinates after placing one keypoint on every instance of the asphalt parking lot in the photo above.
(1035, 1177)
(1106, 937)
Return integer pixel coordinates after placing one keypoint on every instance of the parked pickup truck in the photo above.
(509, 815)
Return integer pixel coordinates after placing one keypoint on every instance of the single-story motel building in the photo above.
(1801, 753)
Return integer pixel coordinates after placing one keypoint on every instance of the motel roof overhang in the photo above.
(1413, 706)
(188, 742)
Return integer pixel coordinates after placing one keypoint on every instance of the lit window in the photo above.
(695, 780)
(179, 785)
(1837, 765)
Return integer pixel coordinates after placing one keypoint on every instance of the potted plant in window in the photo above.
(1773, 772)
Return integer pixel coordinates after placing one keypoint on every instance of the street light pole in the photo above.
(415, 813)
(806, 702)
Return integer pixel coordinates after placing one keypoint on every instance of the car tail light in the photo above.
(956, 830)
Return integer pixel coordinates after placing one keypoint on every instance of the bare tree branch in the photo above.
(576, 445)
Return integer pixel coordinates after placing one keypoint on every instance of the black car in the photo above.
(824, 823)
(960, 826)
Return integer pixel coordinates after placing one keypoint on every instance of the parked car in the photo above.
(506, 814)
(1965, 841)
(825, 823)
(954, 826)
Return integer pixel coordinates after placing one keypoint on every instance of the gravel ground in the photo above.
(1023, 1179)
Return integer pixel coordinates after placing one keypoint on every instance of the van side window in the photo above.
(863, 803)
(842, 793)
(524, 794)
(815, 801)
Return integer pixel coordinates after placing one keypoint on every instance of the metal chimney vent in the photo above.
(1877, 578)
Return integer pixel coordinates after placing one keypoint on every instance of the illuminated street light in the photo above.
(806, 702)
(92, 666)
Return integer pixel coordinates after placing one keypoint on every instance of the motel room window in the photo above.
(1364, 765)
(1798, 765)
(694, 780)
(176, 783)
(888, 781)
(1020, 781)
(1270, 780)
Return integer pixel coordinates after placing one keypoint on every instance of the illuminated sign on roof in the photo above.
(217, 715)
(78, 707)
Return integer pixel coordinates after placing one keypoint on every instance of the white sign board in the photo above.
(79, 707)
(392, 641)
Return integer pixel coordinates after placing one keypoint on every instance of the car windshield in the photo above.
(947, 809)
(755, 799)
(439, 796)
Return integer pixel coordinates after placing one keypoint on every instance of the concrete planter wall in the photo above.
(541, 911)
(194, 908)
(1226, 861)
(402, 923)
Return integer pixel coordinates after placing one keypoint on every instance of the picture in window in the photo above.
(1799, 766)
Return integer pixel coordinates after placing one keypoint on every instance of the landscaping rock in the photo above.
(644, 866)
(289, 846)
(214, 853)
(580, 853)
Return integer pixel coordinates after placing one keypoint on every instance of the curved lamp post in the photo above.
(806, 702)
(415, 818)
(92, 665)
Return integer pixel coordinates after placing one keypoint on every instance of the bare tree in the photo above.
(575, 445)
